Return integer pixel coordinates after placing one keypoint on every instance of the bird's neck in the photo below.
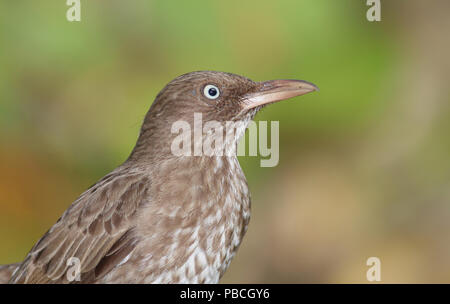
(177, 142)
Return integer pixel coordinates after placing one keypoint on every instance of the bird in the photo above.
(162, 216)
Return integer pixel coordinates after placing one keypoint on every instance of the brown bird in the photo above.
(162, 216)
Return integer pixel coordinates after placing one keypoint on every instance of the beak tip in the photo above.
(311, 86)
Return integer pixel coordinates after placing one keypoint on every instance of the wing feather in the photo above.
(97, 229)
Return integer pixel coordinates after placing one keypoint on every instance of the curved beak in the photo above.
(275, 90)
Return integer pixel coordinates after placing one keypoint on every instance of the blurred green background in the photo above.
(364, 164)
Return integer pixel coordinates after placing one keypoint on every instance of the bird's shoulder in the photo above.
(93, 235)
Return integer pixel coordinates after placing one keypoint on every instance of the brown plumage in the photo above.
(161, 217)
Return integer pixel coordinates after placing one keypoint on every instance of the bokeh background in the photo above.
(364, 164)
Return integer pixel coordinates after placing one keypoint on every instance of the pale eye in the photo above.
(211, 91)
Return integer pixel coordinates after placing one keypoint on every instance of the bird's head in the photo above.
(223, 96)
(217, 96)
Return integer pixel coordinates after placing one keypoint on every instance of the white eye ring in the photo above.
(211, 91)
